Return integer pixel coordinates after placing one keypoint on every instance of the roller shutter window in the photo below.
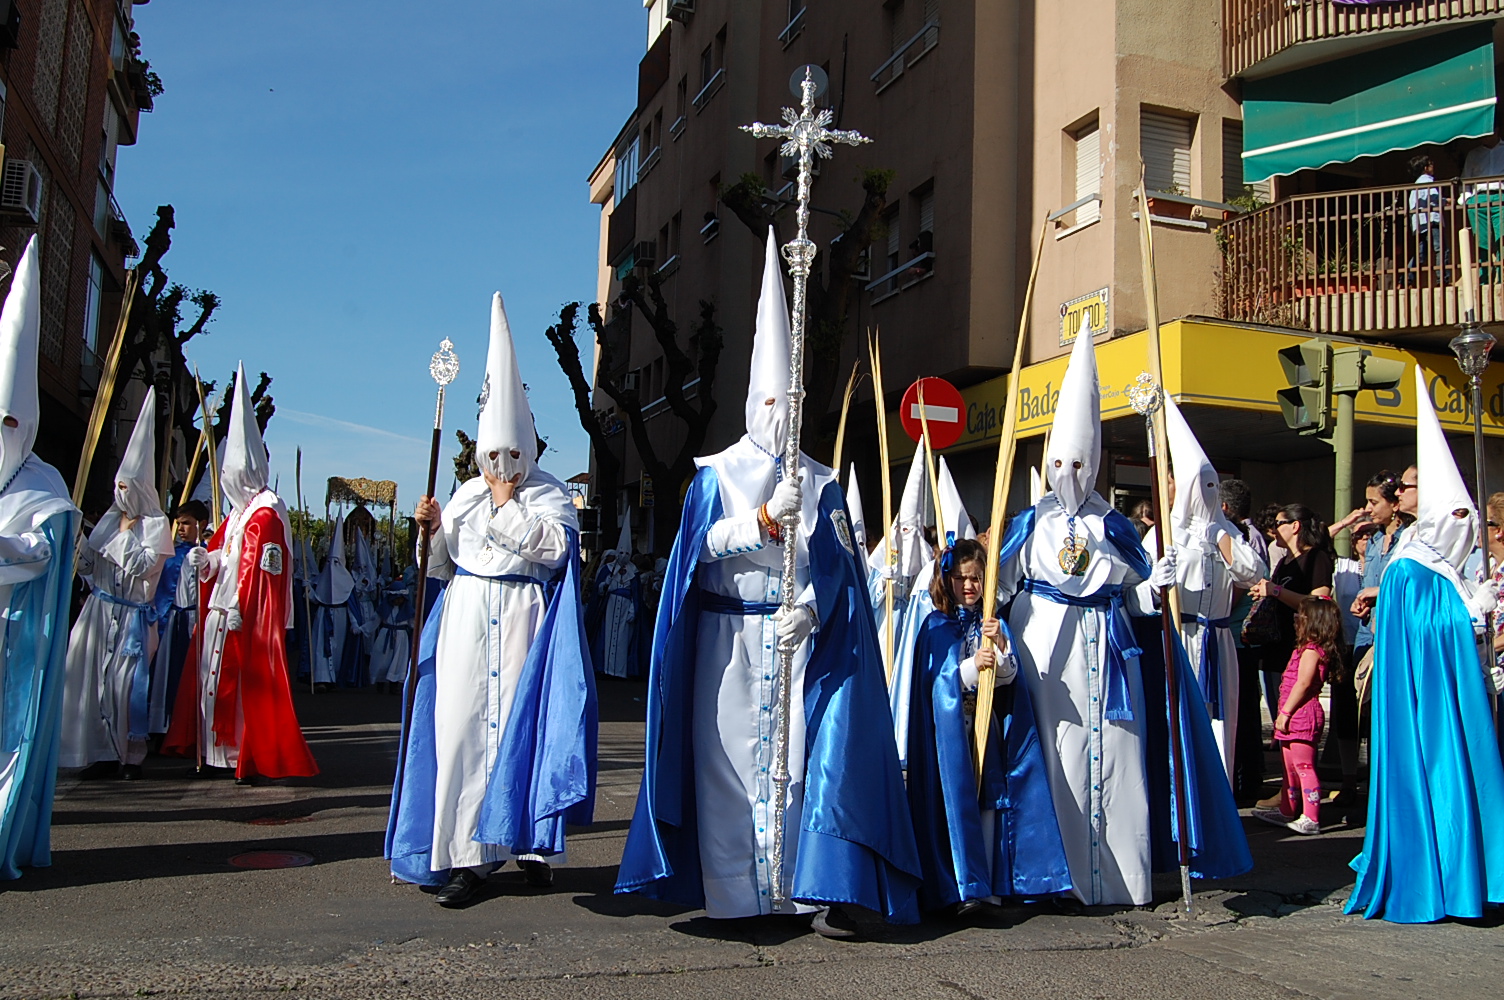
(1166, 148)
(1088, 173)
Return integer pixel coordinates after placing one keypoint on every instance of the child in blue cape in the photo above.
(976, 848)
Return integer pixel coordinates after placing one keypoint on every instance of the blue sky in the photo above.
(354, 179)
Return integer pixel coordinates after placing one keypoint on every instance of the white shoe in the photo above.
(1271, 816)
(1304, 825)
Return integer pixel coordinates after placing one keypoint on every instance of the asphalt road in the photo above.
(142, 900)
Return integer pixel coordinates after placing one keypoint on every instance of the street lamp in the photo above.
(1472, 347)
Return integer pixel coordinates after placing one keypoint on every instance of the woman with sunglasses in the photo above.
(1305, 571)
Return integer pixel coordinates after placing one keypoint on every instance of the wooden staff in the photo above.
(1169, 602)
(213, 454)
(192, 464)
(875, 357)
(929, 466)
(1007, 444)
(851, 384)
(106, 392)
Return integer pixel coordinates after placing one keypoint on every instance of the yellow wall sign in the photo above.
(1208, 363)
(1085, 312)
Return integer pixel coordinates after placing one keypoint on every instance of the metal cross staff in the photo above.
(806, 136)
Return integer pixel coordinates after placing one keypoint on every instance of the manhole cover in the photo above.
(272, 859)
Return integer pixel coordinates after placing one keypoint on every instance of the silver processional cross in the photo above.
(806, 136)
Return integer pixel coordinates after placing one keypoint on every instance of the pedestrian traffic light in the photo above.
(1355, 369)
(1307, 402)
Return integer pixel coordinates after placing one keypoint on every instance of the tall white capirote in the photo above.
(505, 419)
(1076, 436)
(20, 334)
(1443, 494)
(245, 471)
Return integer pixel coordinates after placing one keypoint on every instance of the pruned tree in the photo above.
(669, 472)
(831, 293)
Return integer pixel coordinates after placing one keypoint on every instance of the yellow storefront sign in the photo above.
(1207, 363)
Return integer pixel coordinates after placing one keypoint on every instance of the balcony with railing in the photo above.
(1379, 260)
(1254, 31)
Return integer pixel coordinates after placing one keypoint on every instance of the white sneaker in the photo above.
(1304, 825)
(1271, 816)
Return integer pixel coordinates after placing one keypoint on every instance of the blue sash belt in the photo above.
(141, 613)
(326, 620)
(1211, 661)
(1120, 642)
(622, 591)
(718, 604)
(504, 578)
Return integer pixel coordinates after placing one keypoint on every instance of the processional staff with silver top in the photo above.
(805, 136)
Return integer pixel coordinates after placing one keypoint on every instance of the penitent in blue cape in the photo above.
(856, 841)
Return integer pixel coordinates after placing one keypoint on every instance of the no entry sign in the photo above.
(943, 410)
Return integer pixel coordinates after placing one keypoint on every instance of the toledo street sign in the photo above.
(943, 409)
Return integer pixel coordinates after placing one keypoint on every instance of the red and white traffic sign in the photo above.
(943, 410)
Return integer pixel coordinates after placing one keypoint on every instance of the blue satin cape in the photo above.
(1433, 847)
(1218, 843)
(544, 775)
(36, 645)
(1026, 855)
(856, 841)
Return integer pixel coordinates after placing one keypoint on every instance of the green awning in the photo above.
(1432, 90)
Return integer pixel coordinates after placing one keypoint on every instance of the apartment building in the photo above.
(1007, 126)
(73, 85)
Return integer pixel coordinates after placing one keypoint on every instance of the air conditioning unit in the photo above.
(21, 190)
(646, 254)
(680, 10)
(629, 382)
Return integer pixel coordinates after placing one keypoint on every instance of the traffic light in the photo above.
(1307, 402)
(1355, 369)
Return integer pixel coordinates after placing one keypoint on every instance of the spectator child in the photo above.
(1298, 726)
(1425, 215)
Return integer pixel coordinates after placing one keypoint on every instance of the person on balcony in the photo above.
(1425, 218)
(1485, 201)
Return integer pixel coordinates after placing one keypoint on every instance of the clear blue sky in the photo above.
(354, 179)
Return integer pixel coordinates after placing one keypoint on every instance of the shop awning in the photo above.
(1432, 90)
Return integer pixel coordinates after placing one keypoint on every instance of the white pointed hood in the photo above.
(1076, 436)
(506, 421)
(20, 332)
(1442, 491)
(952, 508)
(245, 471)
(135, 486)
(335, 582)
(365, 565)
(1198, 503)
(858, 516)
(914, 553)
(623, 569)
(768, 423)
(624, 539)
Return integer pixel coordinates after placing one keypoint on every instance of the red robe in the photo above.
(253, 668)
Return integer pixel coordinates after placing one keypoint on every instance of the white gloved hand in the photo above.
(1485, 599)
(794, 625)
(1496, 675)
(233, 621)
(788, 498)
(197, 557)
(1163, 574)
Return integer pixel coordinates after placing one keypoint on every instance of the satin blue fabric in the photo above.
(1025, 854)
(142, 615)
(1210, 660)
(1218, 842)
(856, 839)
(36, 645)
(1433, 847)
(1120, 642)
(545, 772)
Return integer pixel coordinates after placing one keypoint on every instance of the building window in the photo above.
(712, 69)
(1234, 191)
(92, 304)
(626, 168)
(922, 247)
(892, 256)
(913, 28)
(1085, 180)
(681, 106)
(1165, 144)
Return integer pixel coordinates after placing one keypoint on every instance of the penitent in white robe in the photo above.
(1096, 765)
(618, 622)
(736, 705)
(484, 635)
(1206, 582)
(101, 666)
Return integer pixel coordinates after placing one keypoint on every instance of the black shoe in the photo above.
(833, 922)
(250, 779)
(208, 771)
(462, 885)
(100, 769)
(537, 873)
(966, 907)
(131, 772)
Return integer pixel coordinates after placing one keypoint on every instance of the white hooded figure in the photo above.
(106, 704)
(38, 524)
(502, 535)
(391, 649)
(912, 552)
(736, 659)
(368, 598)
(1212, 558)
(1070, 586)
(858, 516)
(331, 609)
(615, 652)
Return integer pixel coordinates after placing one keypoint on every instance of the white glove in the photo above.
(788, 498)
(794, 625)
(233, 621)
(1485, 599)
(1496, 675)
(1163, 574)
(197, 557)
